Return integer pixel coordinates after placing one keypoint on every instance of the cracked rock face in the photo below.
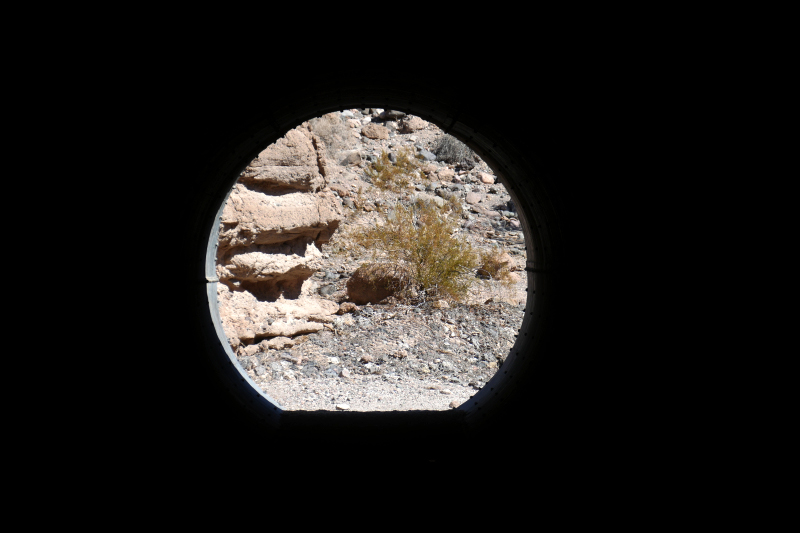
(275, 220)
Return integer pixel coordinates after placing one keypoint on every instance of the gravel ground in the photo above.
(390, 357)
(368, 393)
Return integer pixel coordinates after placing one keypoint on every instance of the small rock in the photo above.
(473, 198)
(427, 155)
(344, 373)
(347, 307)
(390, 114)
(454, 404)
(446, 174)
(350, 158)
(278, 343)
(342, 406)
(400, 354)
(446, 391)
(485, 178)
(327, 290)
(288, 359)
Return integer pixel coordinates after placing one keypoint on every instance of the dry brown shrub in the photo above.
(424, 239)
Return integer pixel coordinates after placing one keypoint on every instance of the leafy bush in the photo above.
(398, 175)
(423, 239)
(451, 150)
(333, 131)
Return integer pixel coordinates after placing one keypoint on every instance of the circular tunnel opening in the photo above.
(533, 217)
(367, 261)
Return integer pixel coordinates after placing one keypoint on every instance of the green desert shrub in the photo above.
(398, 175)
(423, 238)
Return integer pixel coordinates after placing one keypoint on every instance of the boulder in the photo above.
(373, 282)
(390, 114)
(252, 217)
(293, 149)
(283, 261)
(412, 124)
(247, 315)
(375, 131)
(427, 155)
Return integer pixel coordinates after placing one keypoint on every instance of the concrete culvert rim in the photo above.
(471, 415)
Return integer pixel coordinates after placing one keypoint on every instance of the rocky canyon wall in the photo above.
(272, 227)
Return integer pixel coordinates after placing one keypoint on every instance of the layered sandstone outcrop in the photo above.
(272, 227)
